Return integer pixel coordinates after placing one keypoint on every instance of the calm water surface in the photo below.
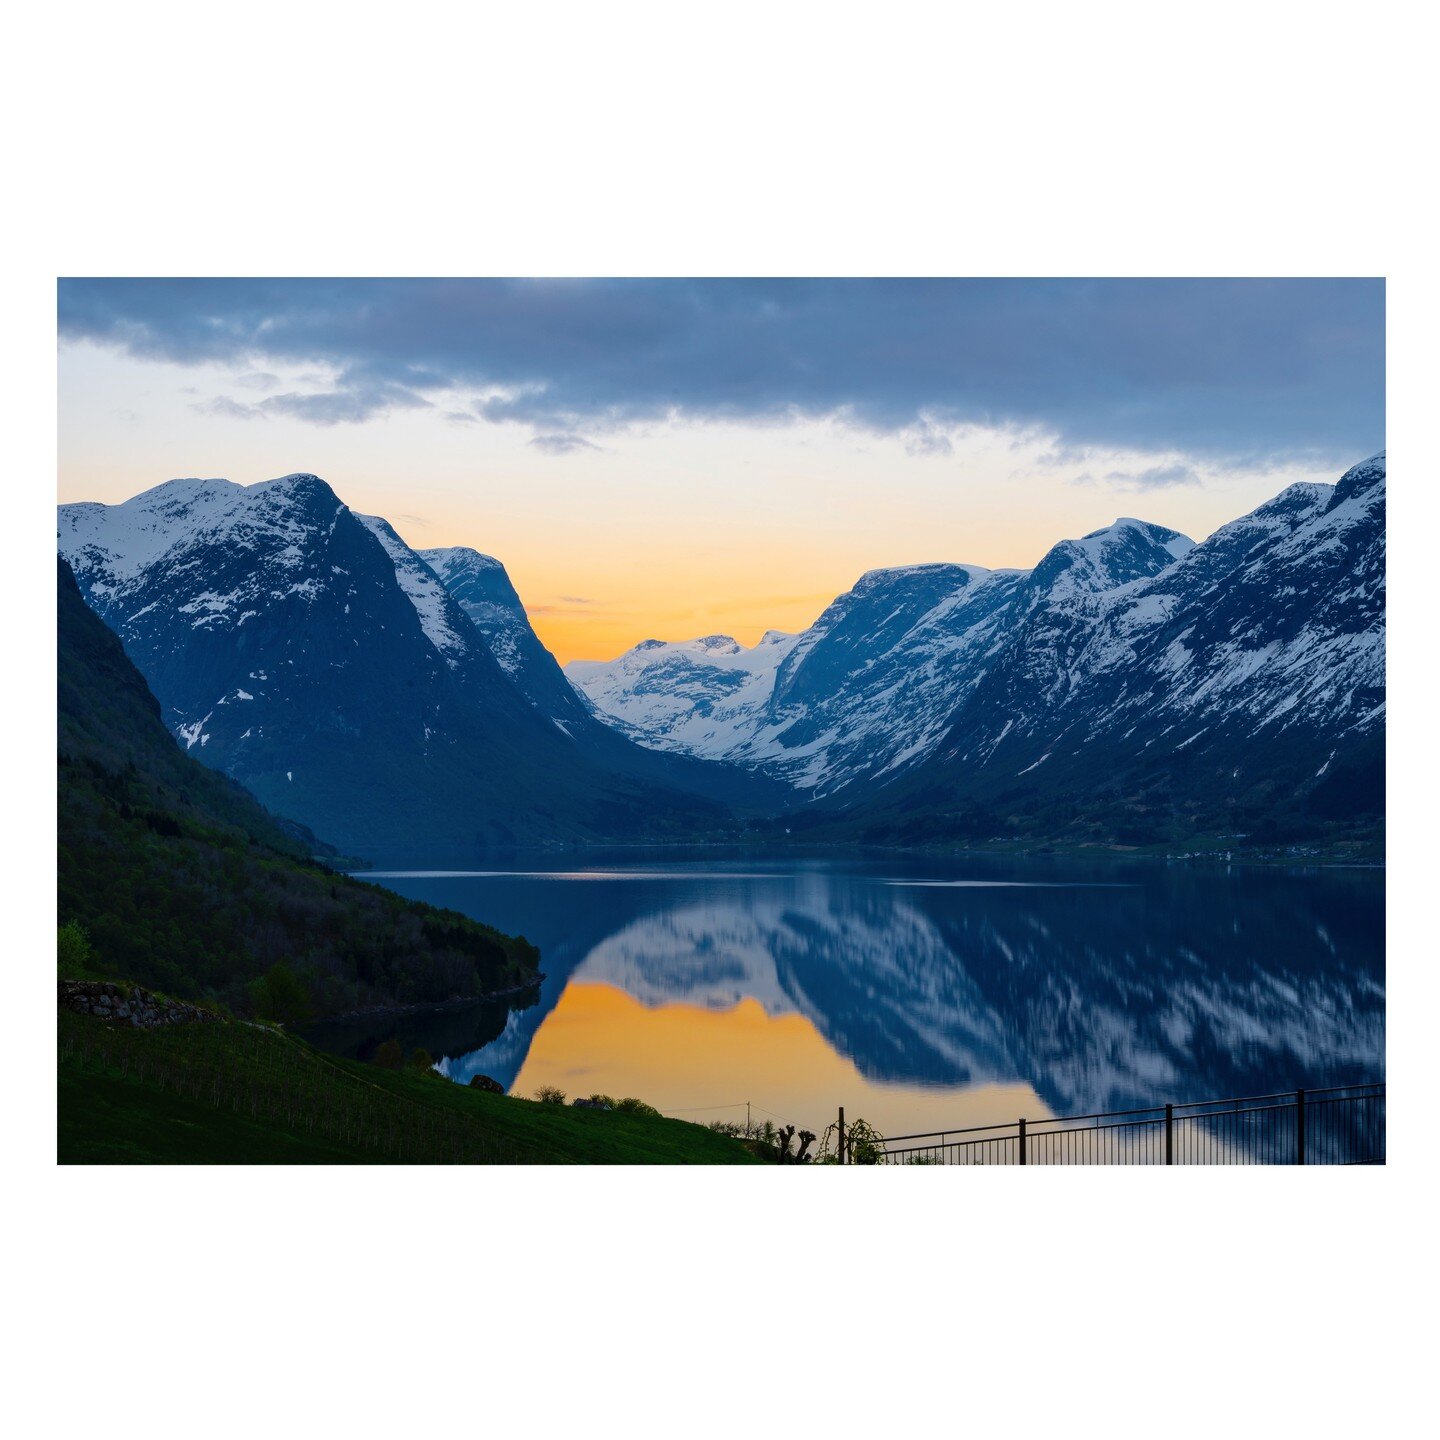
(919, 994)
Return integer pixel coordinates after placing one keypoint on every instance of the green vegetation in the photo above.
(173, 877)
(549, 1095)
(244, 1093)
(771, 1143)
(74, 954)
(1145, 809)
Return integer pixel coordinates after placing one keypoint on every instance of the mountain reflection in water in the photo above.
(920, 994)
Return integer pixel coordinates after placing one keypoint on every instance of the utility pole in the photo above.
(747, 1119)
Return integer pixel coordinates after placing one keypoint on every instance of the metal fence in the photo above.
(1344, 1125)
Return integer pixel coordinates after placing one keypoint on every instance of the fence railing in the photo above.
(1343, 1125)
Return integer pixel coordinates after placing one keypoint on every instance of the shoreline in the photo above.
(1249, 858)
(428, 1006)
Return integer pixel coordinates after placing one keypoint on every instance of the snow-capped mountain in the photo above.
(1130, 662)
(1131, 677)
(302, 648)
(869, 688)
(1246, 676)
(699, 697)
(481, 587)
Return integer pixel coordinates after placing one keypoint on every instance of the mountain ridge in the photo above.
(932, 689)
(1131, 674)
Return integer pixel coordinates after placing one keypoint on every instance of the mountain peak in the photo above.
(1130, 549)
(1125, 527)
(456, 558)
(1359, 478)
(297, 479)
(954, 571)
(478, 582)
(724, 643)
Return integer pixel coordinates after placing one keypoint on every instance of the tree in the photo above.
(284, 996)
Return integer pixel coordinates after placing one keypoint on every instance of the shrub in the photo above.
(73, 951)
(421, 1059)
(631, 1106)
(864, 1145)
(389, 1056)
(550, 1095)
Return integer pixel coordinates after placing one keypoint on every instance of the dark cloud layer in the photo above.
(1251, 370)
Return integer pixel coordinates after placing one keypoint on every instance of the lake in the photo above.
(920, 994)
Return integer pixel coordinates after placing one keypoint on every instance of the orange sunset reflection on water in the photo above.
(600, 1039)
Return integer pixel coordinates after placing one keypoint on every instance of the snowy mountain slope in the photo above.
(869, 689)
(1243, 668)
(297, 646)
(300, 648)
(699, 697)
(481, 587)
(1230, 682)
(434, 606)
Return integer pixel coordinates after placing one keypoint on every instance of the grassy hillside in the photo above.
(182, 882)
(247, 1094)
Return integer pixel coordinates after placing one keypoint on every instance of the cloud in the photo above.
(1156, 477)
(927, 439)
(1239, 371)
(561, 444)
(325, 407)
(345, 405)
(231, 409)
(569, 606)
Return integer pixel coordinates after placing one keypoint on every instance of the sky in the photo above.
(674, 458)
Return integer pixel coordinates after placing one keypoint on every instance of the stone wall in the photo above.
(128, 1004)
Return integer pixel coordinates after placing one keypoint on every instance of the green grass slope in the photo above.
(232, 1093)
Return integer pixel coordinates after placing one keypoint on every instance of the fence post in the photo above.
(1299, 1127)
(1022, 1142)
(842, 1134)
(1169, 1134)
